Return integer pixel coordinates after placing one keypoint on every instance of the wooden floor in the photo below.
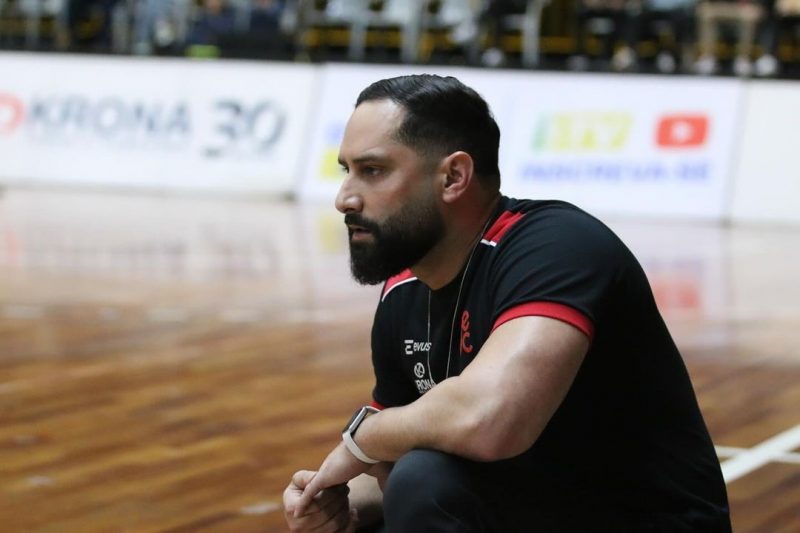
(167, 363)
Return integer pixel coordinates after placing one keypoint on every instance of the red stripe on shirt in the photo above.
(550, 310)
(394, 281)
(502, 225)
(377, 406)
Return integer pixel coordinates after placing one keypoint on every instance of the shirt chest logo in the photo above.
(466, 345)
(412, 346)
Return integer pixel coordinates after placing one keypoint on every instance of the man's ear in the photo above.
(458, 170)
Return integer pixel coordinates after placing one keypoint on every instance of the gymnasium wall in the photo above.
(710, 149)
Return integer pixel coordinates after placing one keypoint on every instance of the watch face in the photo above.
(357, 418)
(353, 420)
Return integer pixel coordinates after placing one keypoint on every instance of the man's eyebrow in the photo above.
(365, 158)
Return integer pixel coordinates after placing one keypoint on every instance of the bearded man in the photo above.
(525, 380)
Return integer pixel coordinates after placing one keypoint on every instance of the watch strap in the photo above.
(350, 430)
(351, 445)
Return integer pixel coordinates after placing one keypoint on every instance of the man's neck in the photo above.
(446, 259)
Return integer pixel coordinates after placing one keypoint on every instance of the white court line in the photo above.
(728, 451)
(761, 454)
(793, 458)
(732, 451)
(40, 481)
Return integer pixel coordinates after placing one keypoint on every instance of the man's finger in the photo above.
(310, 490)
(301, 478)
(324, 501)
(300, 481)
(295, 490)
(290, 510)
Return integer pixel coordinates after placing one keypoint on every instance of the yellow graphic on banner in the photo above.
(582, 132)
(329, 169)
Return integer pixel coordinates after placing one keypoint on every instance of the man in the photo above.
(524, 378)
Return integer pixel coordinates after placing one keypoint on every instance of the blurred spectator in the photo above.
(265, 16)
(781, 18)
(678, 15)
(458, 19)
(160, 24)
(79, 15)
(606, 17)
(491, 23)
(217, 19)
(259, 30)
(744, 15)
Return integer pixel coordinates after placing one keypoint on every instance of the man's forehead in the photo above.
(375, 117)
(371, 128)
(383, 109)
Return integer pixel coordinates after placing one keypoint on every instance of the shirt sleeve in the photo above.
(560, 264)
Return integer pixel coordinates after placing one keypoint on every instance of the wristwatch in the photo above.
(350, 430)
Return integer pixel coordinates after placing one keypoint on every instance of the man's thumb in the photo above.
(302, 478)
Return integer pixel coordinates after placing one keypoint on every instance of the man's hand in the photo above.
(329, 510)
(337, 469)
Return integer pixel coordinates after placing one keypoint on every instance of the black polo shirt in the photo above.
(629, 436)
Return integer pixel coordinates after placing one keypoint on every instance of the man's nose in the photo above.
(348, 200)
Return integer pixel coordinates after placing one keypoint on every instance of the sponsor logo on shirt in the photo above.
(466, 346)
(424, 385)
(412, 346)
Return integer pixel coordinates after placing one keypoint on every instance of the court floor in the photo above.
(167, 362)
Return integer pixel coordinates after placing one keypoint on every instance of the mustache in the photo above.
(355, 219)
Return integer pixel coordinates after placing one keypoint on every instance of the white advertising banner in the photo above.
(341, 87)
(155, 123)
(767, 185)
(611, 144)
(652, 146)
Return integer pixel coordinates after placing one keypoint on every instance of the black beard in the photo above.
(397, 244)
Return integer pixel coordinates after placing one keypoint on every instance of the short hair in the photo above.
(443, 116)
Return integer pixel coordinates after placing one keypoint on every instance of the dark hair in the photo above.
(443, 116)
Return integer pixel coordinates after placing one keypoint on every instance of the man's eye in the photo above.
(371, 171)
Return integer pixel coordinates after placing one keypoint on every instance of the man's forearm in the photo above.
(440, 420)
(497, 407)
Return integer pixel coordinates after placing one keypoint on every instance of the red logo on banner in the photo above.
(11, 113)
(682, 131)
